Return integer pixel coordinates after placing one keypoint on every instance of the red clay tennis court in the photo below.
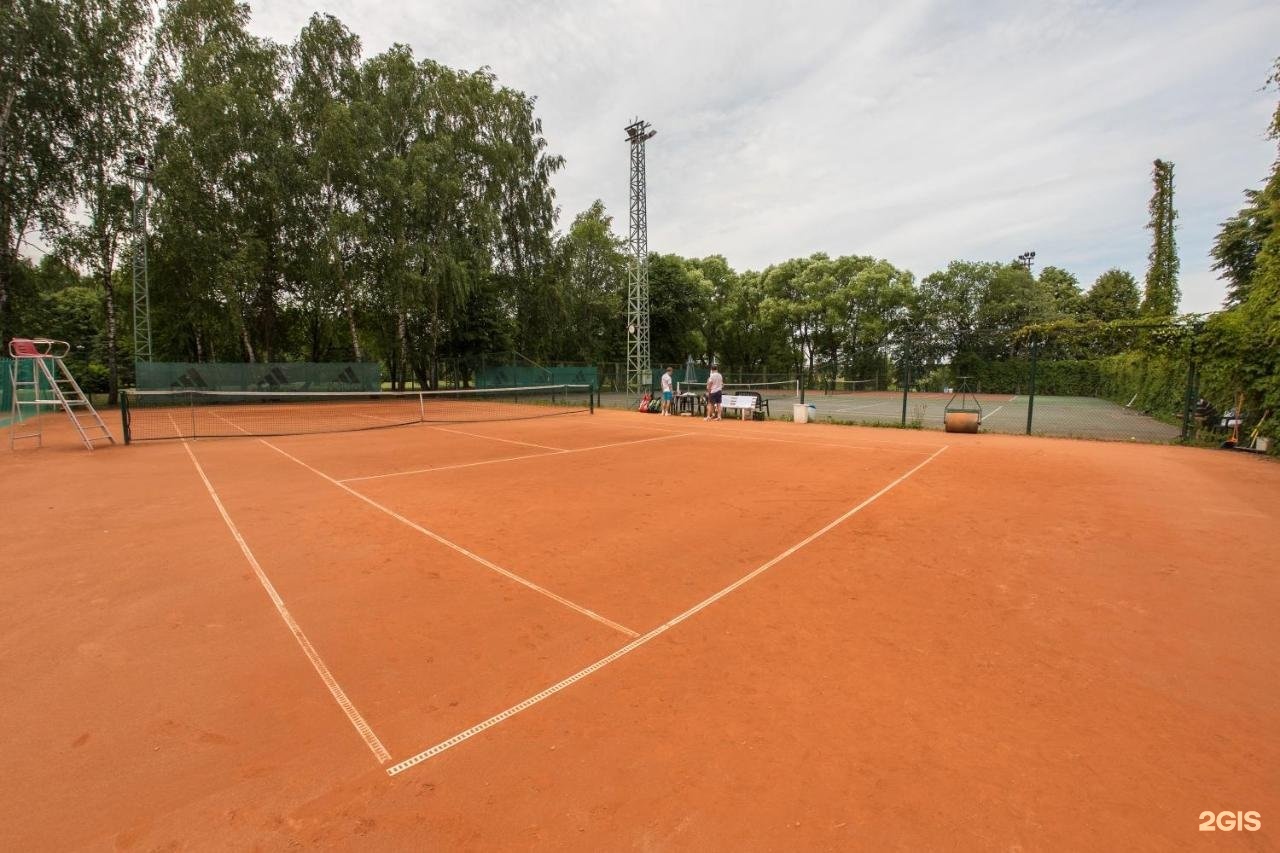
(611, 631)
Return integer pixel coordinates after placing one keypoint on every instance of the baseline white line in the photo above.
(366, 733)
(495, 438)
(508, 459)
(640, 641)
(591, 614)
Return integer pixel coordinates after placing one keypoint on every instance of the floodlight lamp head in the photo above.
(639, 131)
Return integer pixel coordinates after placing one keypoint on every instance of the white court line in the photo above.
(1011, 399)
(992, 412)
(366, 733)
(509, 459)
(591, 614)
(717, 433)
(640, 641)
(837, 410)
(495, 438)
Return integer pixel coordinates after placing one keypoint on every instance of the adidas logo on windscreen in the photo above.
(191, 378)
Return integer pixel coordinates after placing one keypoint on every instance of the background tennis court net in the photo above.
(785, 389)
(151, 415)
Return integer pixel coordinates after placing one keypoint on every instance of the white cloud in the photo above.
(921, 131)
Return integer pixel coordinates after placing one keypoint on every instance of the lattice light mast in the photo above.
(140, 177)
(638, 366)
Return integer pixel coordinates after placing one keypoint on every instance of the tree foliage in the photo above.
(1160, 298)
(314, 203)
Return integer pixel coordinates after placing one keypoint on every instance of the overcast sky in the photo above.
(920, 131)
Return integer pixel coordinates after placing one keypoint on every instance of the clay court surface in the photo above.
(617, 631)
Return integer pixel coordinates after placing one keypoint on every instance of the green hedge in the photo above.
(1157, 384)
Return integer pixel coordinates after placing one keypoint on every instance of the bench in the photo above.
(751, 401)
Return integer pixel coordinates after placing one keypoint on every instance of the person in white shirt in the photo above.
(667, 391)
(715, 387)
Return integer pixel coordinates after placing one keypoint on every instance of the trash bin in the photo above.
(800, 413)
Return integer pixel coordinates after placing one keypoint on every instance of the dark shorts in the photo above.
(714, 397)
(666, 395)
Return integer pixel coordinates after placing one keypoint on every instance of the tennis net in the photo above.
(849, 386)
(149, 415)
(783, 389)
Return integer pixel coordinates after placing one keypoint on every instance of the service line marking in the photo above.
(488, 564)
(656, 632)
(721, 433)
(339, 695)
(495, 438)
(510, 458)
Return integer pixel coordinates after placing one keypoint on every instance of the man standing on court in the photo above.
(666, 391)
(715, 386)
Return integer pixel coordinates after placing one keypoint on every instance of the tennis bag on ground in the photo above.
(644, 403)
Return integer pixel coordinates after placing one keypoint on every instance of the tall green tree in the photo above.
(945, 315)
(1114, 296)
(1064, 288)
(1161, 295)
(677, 302)
(109, 38)
(1244, 341)
(1236, 248)
(750, 336)
(223, 174)
(789, 304)
(38, 116)
(591, 265)
(323, 92)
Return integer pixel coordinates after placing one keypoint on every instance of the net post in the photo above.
(591, 399)
(422, 408)
(1031, 389)
(191, 401)
(124, 417)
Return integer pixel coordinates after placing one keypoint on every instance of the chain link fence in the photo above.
(1133, 383)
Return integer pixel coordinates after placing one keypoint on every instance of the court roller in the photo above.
(962, 421)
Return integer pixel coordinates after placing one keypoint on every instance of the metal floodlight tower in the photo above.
(638, 364)
(139, 172)
(1026, 259)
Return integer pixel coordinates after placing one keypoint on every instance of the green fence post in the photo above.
(1190, 389)
(906, 378)
(1031, 391)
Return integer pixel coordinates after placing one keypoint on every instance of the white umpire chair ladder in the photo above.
(37, 370)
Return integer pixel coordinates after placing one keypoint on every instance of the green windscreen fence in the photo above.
(525, 375)
(27, 371)
(267, 376)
